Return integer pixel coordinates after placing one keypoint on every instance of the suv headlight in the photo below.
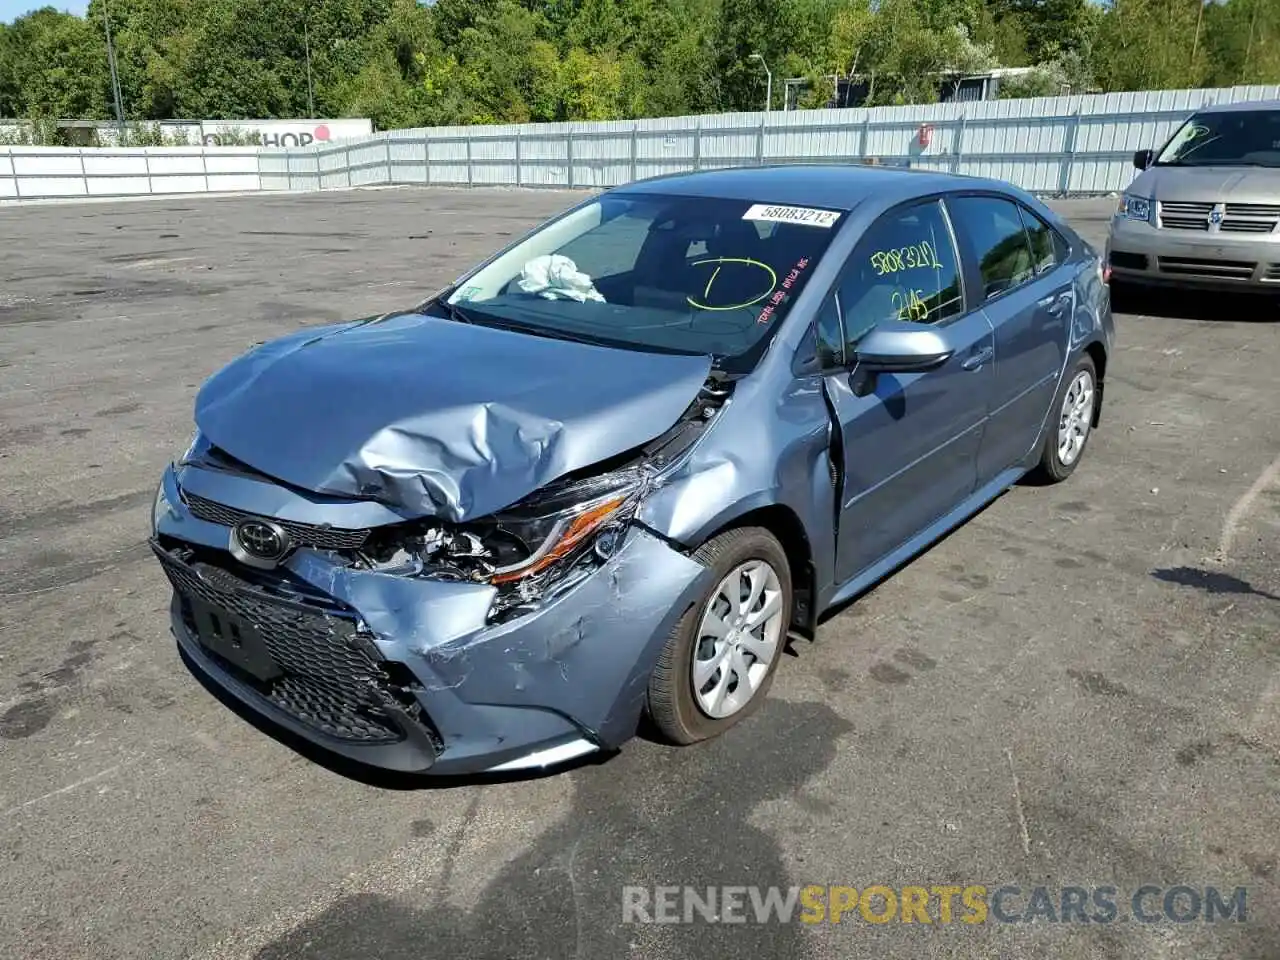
(1134, 208)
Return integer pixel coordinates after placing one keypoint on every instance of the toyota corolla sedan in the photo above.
(611, 470)
(1204, 211)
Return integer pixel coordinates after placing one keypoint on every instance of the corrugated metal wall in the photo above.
(30, 173)
(1052, 145)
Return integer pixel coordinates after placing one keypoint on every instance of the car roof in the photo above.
(1240, 106)
(829, 185)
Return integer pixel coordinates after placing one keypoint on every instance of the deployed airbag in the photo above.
(556, 277)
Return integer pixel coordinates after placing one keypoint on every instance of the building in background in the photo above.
(857, 89)
(211, 133)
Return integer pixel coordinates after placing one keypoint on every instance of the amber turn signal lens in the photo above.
(582, 527)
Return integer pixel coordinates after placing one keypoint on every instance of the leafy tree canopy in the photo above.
(404, 63)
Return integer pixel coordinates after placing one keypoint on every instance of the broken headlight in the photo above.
(560, 524)
(527, 547)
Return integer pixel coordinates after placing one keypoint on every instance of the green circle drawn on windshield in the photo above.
(720, 261)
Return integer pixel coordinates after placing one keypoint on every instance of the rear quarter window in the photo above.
(1049, 248)
(993, 227)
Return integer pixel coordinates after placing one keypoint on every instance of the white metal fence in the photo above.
(1054, 146)
(49, 172)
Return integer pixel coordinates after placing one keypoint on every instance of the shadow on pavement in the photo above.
(1210, 306)
(564, 896)
(1210, 581)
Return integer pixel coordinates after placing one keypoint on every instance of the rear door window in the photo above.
(995, 232)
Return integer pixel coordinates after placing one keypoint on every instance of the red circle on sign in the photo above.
(322, 132)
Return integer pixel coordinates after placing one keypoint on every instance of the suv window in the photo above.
(904, 268)
(1048, 248)
(994, 227)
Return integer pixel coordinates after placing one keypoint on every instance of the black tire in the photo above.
(1051, 469)
(672, 705)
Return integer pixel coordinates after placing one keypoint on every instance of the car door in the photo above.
(1016, 272)
(909, 447)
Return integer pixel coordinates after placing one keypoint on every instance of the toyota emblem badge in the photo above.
(259, 543)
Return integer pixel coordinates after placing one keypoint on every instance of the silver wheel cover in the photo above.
(737, 639)
(1076, 417)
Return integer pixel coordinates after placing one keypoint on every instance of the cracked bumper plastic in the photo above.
(544, 687)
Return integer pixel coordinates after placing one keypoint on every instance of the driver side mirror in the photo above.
(1143, 159)
(896, 346)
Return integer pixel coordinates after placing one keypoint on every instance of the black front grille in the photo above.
(1128, 261)
(303, 534)
(331, 678)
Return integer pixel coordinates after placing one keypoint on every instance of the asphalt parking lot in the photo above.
(1080, 686)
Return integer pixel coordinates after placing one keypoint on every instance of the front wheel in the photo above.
(719, 661)
(1065, 440)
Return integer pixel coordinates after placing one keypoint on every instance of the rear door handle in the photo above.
(976, 361)
(1055, 304)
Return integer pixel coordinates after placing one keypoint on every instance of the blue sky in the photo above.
(12, 9)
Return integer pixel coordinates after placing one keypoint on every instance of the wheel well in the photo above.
(783, 523)
(1098, 354)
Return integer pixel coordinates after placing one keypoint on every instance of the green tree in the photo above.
(745, 28)
(57, 66)
(1241, 40)
(1145, 45)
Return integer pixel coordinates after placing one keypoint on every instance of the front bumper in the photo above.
(405, 674)
(1142, 253)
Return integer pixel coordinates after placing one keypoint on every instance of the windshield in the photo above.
(675, 274)
(1233, 138)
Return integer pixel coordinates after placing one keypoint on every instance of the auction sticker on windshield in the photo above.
(806, 216)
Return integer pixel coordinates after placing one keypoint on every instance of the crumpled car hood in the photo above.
(435, 417)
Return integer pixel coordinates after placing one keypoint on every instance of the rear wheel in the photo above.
(720, 658)
(1066, 439)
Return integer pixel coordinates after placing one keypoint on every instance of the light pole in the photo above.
(115, 78)
(768, 90)
(311, 100)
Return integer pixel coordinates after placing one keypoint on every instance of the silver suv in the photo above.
(1205, 208)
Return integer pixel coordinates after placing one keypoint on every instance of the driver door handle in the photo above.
(976, 361)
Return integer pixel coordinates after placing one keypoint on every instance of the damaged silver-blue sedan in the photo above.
(611, 470)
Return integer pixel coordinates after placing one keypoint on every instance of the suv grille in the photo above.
(1236, 217)
(302, 534)
(1250, 217)
(1183, 215)
(329, 676)
(1195, 266)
